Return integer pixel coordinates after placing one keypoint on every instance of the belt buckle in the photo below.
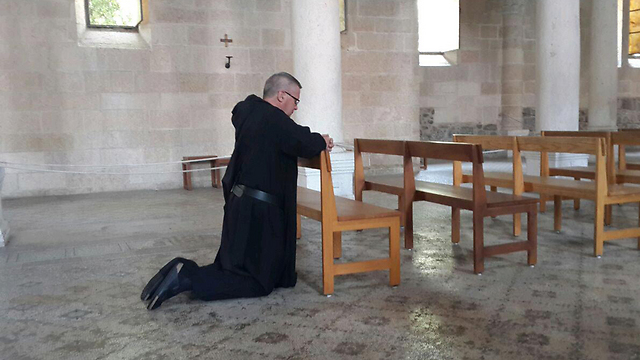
(238, 190)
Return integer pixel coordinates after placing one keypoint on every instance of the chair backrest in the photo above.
(456, 152)
(375, 146)
(322, 162)
(627, 137)
(496, 142)
(574, 145)
(372, 146)
(606, 135)
(445, 151)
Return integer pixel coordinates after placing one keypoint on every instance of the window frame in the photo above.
(121, 28)
(449, 57)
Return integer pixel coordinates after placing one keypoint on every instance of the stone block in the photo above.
(137, 101)
(512, 87)
(380, 42)
(273, 38)
(170, 34)
(123, 59)
(262, 60)
(489, 88)
(380, 8)
(69, 122)
(489, 31)
(124, 120)
(21, 122)
(359, 24)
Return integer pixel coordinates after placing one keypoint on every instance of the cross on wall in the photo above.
(226, 40)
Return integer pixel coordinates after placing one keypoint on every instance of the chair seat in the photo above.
(389, 184)
(309, 204)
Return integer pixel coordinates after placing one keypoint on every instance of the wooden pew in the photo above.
(584, 172)
(476, 199)
(338, 214)
(514, 182)
(603, 191)
(628, 137)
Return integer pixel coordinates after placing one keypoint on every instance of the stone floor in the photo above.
(71, 277)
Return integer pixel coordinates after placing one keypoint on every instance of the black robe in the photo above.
(258, 238)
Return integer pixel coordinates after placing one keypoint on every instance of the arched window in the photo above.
(113, 14)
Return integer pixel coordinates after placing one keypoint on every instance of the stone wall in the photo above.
(379, 60)
(429, 131)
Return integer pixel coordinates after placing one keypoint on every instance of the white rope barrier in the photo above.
(27, 169)
(117, 165)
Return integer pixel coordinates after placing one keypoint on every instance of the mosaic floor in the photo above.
(71, 276)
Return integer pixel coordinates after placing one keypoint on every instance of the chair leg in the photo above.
(337, 245)
(408, 225)
(298, 226)
(543, 203)
(478, 242)
(532, 236)
(608, 214)
(327, 260)
(557, 213)
(455, 225)
(400, 208)
(598, 232)
(576, 202)
(494, 189)
(394, 253)
(517, 224)
(638, 225)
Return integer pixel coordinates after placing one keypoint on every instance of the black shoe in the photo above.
(168, 288)
(152, 285)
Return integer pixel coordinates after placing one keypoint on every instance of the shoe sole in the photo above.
(159, 298)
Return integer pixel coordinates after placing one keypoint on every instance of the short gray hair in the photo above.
(278, 82)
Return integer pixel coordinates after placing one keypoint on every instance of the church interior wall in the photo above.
(65, 103)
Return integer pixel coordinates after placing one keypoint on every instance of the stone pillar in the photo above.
(512, 64)
(317, 64)
(557, 76)
(603, 82)
(4, 226)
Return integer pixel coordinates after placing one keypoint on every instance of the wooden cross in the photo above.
(226, 40)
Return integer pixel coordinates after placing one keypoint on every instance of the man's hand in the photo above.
(329, 140)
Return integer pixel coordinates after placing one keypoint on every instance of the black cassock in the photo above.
(258, 246)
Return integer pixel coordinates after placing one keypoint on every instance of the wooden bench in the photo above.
(339, 214)
(584, 172)
(513, 181)
(216, 180)
(603, 191)
(409, 190)
(628, 137)
(476, 199)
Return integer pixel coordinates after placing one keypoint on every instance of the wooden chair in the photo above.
(515, 181)
(339, 214)
(476, 199)
(216, 180)
(603, 190)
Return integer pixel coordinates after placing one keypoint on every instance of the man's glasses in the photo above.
(295, 99)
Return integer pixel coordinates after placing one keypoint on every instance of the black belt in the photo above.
(240, 190)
